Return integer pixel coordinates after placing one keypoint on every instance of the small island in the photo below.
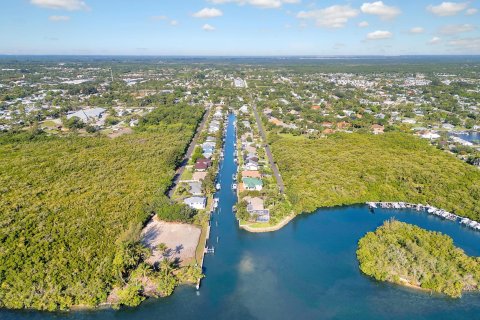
(408, 255)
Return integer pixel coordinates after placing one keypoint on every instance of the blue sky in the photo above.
(239, 27)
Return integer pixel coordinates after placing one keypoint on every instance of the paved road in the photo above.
(273, 165)
(188, 154)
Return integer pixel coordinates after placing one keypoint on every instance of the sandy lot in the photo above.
(181, 240)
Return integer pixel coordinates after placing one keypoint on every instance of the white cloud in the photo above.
(58, 18)
(471, 11)
(267, 4)
(470, 45)
(434, 40)
(379, 35)
(208, 13)
(447, 8)
(380, 9)
(207, 27)
(70, 5)
(457, 28)
(165, 18)
(332, 17)
(417, 30)
(363, 24)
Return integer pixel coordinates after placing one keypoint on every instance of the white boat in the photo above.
(372, 205)
(234, 186)
(218, 186)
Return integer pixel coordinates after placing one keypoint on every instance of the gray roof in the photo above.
(195, 188)
(87, 114)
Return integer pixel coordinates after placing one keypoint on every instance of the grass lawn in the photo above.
(187, 173)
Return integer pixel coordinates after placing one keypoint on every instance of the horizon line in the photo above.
(235, 56)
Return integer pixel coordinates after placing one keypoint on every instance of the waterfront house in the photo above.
(198, 203)
(251, 166)
(251, 174)
(256, 209)
(208, 149)
(208, 144)
(195, 188)
(202, 164)
(252, 184)
(252, 158)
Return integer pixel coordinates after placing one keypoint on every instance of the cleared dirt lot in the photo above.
(180, 239)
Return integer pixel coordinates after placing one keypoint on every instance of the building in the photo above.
(88, 115)
(198, 203)
(202, 164)
(377, 129)
(251, 174)
(256, 209)
(251, 166)
(239, 83)
(252, 184)
(195, 188)
(244, 109)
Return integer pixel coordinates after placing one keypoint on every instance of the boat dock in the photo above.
(426, 208)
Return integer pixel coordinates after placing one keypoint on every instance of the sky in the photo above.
(239, 27)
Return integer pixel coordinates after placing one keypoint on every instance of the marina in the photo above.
(426, 208)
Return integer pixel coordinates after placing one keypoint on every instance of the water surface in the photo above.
(470, 136)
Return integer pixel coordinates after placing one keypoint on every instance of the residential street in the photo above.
(188, 154)
(275, 170)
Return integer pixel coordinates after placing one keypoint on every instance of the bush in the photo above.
(346, 169)
(130, 295)
(81, 200)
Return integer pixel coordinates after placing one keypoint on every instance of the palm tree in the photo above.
(144, 269)
(162, 247)
(166, 266)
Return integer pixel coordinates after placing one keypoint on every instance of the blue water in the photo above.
(307, 270)
(471, 136)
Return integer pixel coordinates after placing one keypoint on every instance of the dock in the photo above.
(475, 225)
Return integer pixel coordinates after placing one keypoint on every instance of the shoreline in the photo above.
(404, 282)
(275, 227)
(289, 218)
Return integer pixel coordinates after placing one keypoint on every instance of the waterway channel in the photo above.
(307, 270)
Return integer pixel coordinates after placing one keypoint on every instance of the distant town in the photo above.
(440, 106)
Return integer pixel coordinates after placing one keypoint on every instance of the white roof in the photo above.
(86, 114)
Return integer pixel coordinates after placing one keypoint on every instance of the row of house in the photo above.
(198, 199)
(251, 174)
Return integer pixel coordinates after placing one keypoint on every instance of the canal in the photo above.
(307, 270)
